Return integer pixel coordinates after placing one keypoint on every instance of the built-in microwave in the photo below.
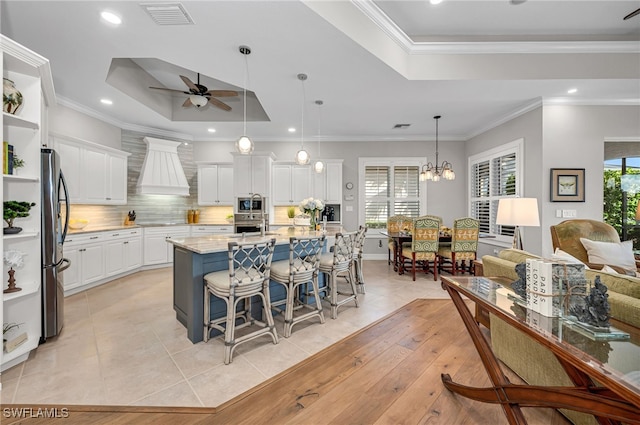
(331, 212)
(246, 205)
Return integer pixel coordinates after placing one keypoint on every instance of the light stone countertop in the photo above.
(220, 243)
(96, 228)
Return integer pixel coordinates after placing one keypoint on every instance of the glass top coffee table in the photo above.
(614, 364)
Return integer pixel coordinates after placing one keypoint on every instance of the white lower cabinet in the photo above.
(211, 229)
(156, 248)
(123, 251)
(87, 259)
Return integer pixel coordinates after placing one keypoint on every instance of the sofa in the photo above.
(530, 360)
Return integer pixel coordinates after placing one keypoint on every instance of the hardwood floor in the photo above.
(386, 373)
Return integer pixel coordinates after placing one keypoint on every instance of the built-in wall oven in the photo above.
(250, 223)
(251, 205)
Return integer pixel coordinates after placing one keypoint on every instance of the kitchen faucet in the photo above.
(263, 225)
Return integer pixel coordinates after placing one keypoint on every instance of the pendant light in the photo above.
(302, 157)
(435, 172)
(318, 166)
(244, 145)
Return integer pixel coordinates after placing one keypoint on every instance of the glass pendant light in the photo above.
(318, 166)
(302, 157)
(244, 144)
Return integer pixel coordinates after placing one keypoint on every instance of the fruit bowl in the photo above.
(77, 223)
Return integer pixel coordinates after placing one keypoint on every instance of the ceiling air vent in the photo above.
(401, 126)
(168, 13)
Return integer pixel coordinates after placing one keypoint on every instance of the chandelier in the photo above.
(435, 172)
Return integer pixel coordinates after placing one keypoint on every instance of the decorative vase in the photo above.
(11, 230)
(312, 220)
(11, 96)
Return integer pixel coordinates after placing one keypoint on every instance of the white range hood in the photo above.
(162, 173)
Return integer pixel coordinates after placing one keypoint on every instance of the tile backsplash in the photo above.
(151, 208)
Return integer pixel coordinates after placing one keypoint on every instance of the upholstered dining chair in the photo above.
(338, 263)
(358, 249)
(247, 276)
(395, 224)
(463, 247)
(424, 246)
(301, 268)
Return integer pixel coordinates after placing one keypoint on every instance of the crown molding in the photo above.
(530, 106)
(384, 23)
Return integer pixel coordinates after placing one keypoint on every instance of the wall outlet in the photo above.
(569, 213)
(349, 208)
(559, 213)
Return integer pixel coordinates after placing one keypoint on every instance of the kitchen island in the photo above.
(194, 257)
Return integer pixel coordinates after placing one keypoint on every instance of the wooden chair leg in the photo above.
(413, 265)
(454, 265)
(435, 268)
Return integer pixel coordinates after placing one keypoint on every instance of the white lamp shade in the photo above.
(318, 167)
(518, 212)
(244, 145)
(198, 101)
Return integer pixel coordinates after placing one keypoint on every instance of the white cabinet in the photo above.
(328, 184)
(215, 184)
(95, 174)
(291, 183)
(252, 174)
(24, 130)
(156, 249)
(210, 229)
(123, 251)
(86, 255)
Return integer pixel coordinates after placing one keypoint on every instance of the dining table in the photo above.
(403, 237)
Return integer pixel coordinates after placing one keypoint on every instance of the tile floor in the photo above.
(122, 345)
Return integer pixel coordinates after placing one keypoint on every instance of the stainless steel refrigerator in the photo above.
(54, 231)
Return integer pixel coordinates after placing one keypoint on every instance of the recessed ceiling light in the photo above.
(211, 130)
(435, 1)
(111, 17)
(292, 130)
(106, 101)
(572, 91)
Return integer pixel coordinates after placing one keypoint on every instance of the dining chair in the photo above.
(358, 249)
(424, 246)
(247, 276)
(335, 264)
(395, 224)
(296, 274)
(463, 247)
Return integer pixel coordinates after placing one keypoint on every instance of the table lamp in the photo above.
(518, 212)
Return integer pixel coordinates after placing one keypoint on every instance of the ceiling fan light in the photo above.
(244, 145)
(318, 167)
(302, 157)
(198, 101)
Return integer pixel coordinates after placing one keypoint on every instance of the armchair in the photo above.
(566, 236)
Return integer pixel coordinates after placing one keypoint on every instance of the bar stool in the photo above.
(248, 276)
(337, 263)
(358, 248)
(300, 269)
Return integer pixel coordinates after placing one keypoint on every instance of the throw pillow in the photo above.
(608, 269)
(565, 256)
(612, 253)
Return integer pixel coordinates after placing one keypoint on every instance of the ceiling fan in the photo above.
(200, 95)
(632, 14)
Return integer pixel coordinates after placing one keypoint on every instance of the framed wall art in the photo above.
(567, 185)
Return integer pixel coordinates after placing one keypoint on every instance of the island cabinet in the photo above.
(215, 184)
(25, 131)
(95, 174)
(291, 183)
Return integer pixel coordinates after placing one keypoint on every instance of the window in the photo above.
(391, 187)
(494, 175)
(621, 188)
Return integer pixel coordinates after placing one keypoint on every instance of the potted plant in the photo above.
(291, 213)
(13, 210)
(229, 218)
(17, 163)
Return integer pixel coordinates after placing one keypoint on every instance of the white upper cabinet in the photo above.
(328, 184)
(252, 174)
(215, 184)
(291, 183)
(94, 174)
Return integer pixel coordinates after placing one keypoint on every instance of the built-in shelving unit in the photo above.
(31, 74)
